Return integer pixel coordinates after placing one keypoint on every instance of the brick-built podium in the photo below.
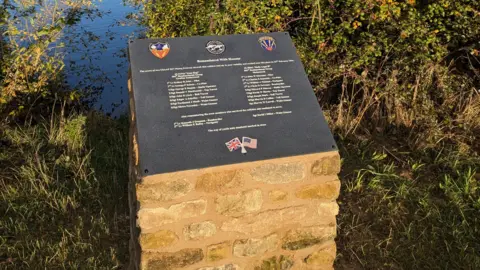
(232, 164)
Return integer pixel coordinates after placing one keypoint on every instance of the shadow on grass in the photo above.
(63, 193)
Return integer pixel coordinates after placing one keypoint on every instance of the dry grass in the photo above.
(63, 194)
(410, 178)
(409, 137)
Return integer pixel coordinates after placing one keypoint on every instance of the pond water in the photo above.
(96, 53)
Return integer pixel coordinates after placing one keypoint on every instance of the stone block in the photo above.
(157, 240)
(164, 191)
(199, 230)
(326, 166)
(219, 251)
(270, 220)
(151, 218)
(240, 203)
(229, 266)
(219, 181)
(309, 236)
(277, 195)
(255, 246)
(279, 173)
(328, 209)
(276, 263)
(174, 260)
(327, 191)
(324, 256)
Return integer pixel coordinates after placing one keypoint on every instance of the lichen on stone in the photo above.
(276, 263)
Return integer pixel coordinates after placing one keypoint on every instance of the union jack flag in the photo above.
(234, 144)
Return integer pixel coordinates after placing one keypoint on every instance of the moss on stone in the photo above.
(274, 263)
(218, 252)
(182, 258)
(303, 243)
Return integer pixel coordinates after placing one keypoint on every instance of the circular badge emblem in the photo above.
(215, 47)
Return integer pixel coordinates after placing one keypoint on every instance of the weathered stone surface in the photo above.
(328, 191)
(240, 203)
(218, 251)
(164, 191)
(229, 266)
(326, 166)
(255, 246)
(324, 256)
(279, 173)
(199, 230)
(250, 238)
(306, 237)
(274, 263)
(156, 240)
(266, 221)
(328, 208)
(218, 181)
(277, 195)
(182, 258)
(149, 218)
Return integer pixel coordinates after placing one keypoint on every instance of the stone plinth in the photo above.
(270, 214)
(232, 164)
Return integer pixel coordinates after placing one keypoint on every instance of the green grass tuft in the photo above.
(408, 209)
(63, 194)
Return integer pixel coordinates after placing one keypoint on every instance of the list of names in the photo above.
(187, 90)
(263, 87)
(265, 92)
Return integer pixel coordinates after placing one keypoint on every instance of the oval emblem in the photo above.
(215, 47)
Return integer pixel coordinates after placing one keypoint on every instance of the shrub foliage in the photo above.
(398, 80)
(406, 62)
(402, 75)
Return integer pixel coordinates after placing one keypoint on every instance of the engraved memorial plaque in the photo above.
(217, 100)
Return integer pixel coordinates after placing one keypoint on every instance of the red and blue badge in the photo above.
(268, 43)
(159, 49)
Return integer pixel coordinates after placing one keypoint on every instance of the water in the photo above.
(96, 53)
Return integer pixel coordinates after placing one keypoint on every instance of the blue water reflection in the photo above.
(96, 53)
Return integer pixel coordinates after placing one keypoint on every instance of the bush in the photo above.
(404, 63)
(31, 70)
(398, 82)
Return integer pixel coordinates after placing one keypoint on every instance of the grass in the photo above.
(408, 209)
(63, 195)
(409, 137)
(64, 199)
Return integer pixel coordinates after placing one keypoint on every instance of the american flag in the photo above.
(234, 144)
(249, 142)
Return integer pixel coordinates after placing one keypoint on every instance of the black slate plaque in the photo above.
(193, 95)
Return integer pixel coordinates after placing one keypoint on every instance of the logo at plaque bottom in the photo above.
(159, 49)
(268, 43)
